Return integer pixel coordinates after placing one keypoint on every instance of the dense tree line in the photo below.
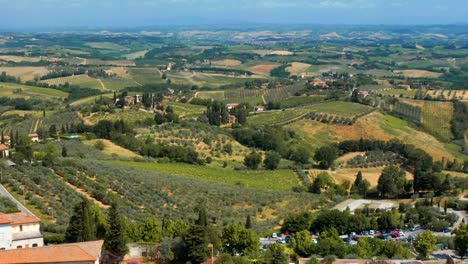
(280, 72)
(277, 139)
(222, 70)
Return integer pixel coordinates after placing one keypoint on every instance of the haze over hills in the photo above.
(247, 131)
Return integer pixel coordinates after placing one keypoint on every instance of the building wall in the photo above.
(26, 228)
(5, 236)
(27, 243)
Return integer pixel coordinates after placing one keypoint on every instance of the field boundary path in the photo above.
(4, 192)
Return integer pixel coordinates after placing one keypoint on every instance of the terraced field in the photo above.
(372, 126)
(342, 109)
(187, 110)
(130, 116)
(263, 179)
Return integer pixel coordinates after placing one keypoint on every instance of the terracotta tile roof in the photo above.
(4, 220)
(33, 135)
(20, 218)
(77, 252)
(3, 147)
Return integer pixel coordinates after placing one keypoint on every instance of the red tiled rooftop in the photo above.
(3, 147)
(19, 218)
(77, 252)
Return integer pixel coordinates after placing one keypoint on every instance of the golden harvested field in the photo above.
(372, 126)
(263, 68)
(112, 149)
(297, 68)
(14, 90)
(19, 58)
(418, 74)
(226, 63)
(119, 71)
(349, 156)
(370, 174)
(281, 52)
(25, 73)
(456, 174)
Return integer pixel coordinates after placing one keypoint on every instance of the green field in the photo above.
(262, 179)
(188, 110)
(117, 84)
(215, 95)
(275, 117)
(146, 75)
(23, 91)
(82, 80)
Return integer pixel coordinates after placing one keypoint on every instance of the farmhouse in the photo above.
(259, 108)
(318, 83)
(34, 137)
(232, 106)
(4, 151)
(83, 253)
(20, 230)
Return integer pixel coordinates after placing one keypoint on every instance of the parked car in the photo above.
(281, 241)
(274, 235)
(447, 230)
(415, 227)
(372, 232)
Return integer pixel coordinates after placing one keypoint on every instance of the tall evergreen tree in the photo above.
(248, 222)
(82, 225)
(116, 242)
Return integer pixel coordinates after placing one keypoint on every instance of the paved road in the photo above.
(21, 207)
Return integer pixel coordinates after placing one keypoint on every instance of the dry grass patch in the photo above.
(112, 149)
(418, 74)
(226, 63)
(281, 52)
(25, 73)
(298, 68)
(263, 68)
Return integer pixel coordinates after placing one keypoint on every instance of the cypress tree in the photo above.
(202, 217)
(82, 225)
(64, 152)
(3, 137)
(248, 222)
(12, 140)
(115, 242)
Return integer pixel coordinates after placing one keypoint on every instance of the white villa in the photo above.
(20, 230)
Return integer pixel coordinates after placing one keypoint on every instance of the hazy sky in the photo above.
(132, 13)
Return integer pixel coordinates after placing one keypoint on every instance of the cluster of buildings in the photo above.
(5, 148)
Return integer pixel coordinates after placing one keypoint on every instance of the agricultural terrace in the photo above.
(260, 179)
(207, 141)
(371, 126)
(436, 117)
(398, 92)
(448, 94)
(341, 109)
(81, 80)
(111, 149)
(129, 115)
(13, 90)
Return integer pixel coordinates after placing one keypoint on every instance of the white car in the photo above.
(274, 235)
(371, 232)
